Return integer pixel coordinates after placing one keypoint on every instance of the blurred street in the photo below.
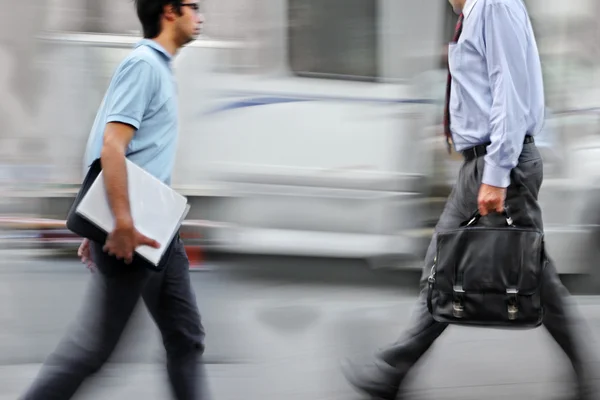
(277, 328)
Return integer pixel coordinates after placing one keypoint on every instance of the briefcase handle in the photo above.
(476, 216)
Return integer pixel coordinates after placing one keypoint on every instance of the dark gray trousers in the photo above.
(112, 296)
(560, 320)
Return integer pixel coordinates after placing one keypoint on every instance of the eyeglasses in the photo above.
(193, 6)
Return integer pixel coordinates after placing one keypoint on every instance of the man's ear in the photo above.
(170, 12)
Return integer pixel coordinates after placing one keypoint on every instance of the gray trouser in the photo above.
(522, 195)
(112, 296)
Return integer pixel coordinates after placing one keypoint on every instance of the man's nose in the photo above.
(200, 18)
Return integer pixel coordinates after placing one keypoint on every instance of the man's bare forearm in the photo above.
(115, 180)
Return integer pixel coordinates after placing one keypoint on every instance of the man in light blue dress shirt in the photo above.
(137, 120)
(495, 108)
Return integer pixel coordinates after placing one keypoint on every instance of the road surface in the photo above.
(277, 329)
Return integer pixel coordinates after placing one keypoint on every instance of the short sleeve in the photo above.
(133, 88)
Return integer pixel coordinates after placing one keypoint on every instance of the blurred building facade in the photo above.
(324, 114)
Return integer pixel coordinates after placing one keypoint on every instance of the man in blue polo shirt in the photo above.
(137, 120)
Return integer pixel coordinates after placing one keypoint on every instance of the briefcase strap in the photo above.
(476, 216)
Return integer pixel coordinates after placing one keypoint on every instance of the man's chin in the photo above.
(190, 39)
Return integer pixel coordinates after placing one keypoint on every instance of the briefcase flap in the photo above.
(489, 259)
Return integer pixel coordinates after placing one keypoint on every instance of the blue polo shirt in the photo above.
(142, 93)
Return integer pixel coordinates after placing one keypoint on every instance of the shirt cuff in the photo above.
(496, 176)
(124, 119)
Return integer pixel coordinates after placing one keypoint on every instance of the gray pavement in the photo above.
(277, 338)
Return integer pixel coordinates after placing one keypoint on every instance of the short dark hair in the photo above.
(149, 13)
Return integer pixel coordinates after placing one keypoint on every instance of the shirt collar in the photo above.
(469, 4)
(155, 46)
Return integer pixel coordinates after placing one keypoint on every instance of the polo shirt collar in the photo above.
(155, 46)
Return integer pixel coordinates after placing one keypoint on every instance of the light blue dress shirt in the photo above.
(142, 93)
(497, 91)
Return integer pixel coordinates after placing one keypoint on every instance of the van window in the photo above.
(333, 38)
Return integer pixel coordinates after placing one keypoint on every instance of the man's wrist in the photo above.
(123, 221)
(496, 176)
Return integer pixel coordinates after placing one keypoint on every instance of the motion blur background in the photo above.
(310, 136)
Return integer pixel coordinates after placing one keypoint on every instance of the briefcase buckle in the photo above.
(512, 312)
(458, 309)
(513, 308)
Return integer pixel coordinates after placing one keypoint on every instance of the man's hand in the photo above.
(124, 239)
(84, 254)
(491, 198)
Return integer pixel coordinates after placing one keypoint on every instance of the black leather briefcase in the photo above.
(488, 276)
(84, 228)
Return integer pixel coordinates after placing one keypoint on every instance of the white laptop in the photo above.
(157, 210)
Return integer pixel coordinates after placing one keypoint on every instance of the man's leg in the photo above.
(562, 319)
(565, 324)
(382, 378)
(172, 303)
(106, 310)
